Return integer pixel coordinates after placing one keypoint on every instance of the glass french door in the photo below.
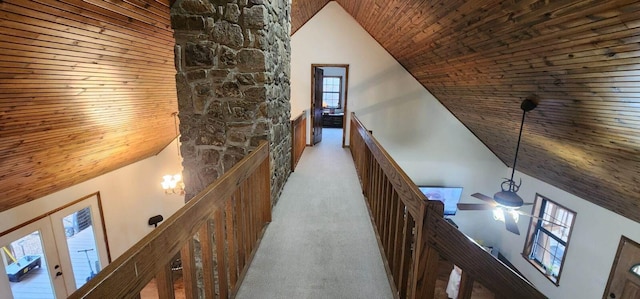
(30, 264)
(80, 240)
(53, 256)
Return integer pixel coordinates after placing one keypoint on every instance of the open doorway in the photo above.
(329, 83)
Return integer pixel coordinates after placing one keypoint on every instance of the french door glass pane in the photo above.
(81, 242)
(26, 267)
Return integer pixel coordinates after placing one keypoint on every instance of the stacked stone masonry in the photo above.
(233, 74)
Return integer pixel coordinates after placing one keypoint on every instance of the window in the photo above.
(331, 87)
(548, 237)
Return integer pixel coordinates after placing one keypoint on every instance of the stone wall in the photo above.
(233, 67)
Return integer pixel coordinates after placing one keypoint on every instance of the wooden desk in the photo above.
(332, 120)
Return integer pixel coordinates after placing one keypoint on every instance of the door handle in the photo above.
(58, 273)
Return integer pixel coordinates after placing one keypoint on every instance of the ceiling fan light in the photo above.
(508, 199)
(515, 215)
(498, 214)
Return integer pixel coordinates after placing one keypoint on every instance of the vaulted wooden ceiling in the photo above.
(87, 86)
(481, 58)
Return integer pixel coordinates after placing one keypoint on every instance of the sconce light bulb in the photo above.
(172, 184)
(498, 214)
(515, 215)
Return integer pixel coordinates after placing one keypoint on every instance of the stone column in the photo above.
(233, 68)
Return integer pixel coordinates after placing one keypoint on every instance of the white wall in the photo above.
(592, 247)
(436, 149)
(130, 195)
(376, 80)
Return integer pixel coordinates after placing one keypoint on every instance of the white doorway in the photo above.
(55, 254)
(329, 91)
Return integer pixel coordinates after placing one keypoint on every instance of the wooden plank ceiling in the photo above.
(86, 87)
(480, 58)
(303, 11)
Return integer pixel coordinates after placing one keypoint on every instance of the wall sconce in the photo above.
(172, 184)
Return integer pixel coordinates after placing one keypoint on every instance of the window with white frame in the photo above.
(331, 90)
(548, 237)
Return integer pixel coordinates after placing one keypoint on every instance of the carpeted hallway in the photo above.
(321, 242)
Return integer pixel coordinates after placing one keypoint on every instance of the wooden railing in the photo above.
(298, 138)
(413, 235)
(226, 220)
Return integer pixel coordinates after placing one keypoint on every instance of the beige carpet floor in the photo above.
(321, 242)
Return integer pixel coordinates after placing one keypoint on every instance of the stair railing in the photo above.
(225, 222)
(413, 236)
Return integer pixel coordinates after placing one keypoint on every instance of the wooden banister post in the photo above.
(429, 257)
(189, 270)
(164, 283)
(219, 238)
(207, 251)
(466, 286)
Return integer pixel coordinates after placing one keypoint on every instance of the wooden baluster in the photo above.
(239, 228)
(466, 286)
(255, 212)
(221, 257)
(208, 265)
(378, 197)
(383, 204)
(255, 205)
(387, 219)
(246, 218)
(232, 245)
(370, 162)
(405, 266)
(266, 190)
(398, 238)
(391, 235)
(164, 283)
(246, 225)
(372, 191)
(381, 189)
(256, 221)
(365, 165)
(187, 256)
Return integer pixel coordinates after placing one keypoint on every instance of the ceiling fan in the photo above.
(507, 200)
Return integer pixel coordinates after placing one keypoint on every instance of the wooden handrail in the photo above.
(228, 217)
(298, 138)
(413, 235)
